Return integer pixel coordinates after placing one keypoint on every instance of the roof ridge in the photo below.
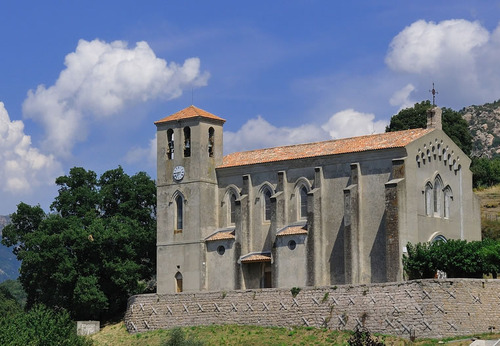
(325, 141)
(393, 139)
(189, 112)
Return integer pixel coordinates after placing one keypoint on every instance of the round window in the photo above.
(221, 250)
(292, 244)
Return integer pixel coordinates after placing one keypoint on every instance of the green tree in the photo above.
(486, 171)
(490, 256)
(418, 263)
(95, 250)
(9, 306)
(416, 117)
(410, 118)
(457, 258)
(15, 289)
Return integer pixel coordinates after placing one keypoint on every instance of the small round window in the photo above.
(292, 244)
(221, 250)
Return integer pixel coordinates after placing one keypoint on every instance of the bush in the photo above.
(363, 338)
(40, 326)
(177, 338)
(418, 264)
(457, 258)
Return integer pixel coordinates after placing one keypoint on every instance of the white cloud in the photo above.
(259, 133)
(99, 80)
(22, 167)
(401, 97)
(459, 55)
(429, 47)
(350, 123)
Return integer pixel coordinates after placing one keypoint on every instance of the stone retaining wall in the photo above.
(423, 308)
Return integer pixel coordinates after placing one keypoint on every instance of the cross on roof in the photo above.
(434, 92)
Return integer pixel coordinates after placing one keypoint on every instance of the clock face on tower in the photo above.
(178, 173)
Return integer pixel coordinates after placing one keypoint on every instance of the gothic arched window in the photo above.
(170, 144)
(267, 204)
(211, 141)
(232, 208)
(428, 199)
(438, 196)
(179, 214)
(178, 282)
(187, 141)
(303, 202)
(448, 196)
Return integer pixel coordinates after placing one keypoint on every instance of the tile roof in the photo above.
(256, 257)
(221, 235)
(292, 230)
(189, 112)
(386, 140)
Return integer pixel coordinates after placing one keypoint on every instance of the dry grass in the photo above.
(490, 200)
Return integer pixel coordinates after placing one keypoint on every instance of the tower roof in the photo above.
(188, 113)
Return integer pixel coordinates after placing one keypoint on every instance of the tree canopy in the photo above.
(95, 249)
(416, 117)
(457, 258)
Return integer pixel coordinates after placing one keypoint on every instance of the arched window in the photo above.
(303, 202)
(438, 192)
(428, 199)
(170, 144)
(232, 208)
(187, 141)
(178, 282)
(448, 196)
(179, 214)
(267, 204)
(439, 238)
(211, 141)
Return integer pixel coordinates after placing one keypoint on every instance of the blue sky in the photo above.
(83, 81)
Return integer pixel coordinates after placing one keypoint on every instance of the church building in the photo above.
(315, 214)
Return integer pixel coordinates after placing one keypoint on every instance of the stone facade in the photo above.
(424, 308)
(315, 214)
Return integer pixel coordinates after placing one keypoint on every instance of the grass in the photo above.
(117, 334)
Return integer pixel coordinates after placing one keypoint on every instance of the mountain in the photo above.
(484, 124)
(9, 265)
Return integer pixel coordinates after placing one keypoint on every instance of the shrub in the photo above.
(457, 258)
(40, 326)
(178, 338)
(295, 291)
(363, 338)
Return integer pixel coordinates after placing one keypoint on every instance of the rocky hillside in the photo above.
(484, 124)
(4, 221)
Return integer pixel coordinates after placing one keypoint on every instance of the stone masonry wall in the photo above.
(423, 308)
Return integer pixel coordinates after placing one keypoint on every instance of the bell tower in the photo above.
(189, 148)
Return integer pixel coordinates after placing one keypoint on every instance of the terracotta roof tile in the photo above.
(386, 140)
(221, 235)
(189, 112)
(256, 257)
(292, 230)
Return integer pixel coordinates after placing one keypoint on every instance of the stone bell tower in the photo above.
(189, 148)
(434, 120)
